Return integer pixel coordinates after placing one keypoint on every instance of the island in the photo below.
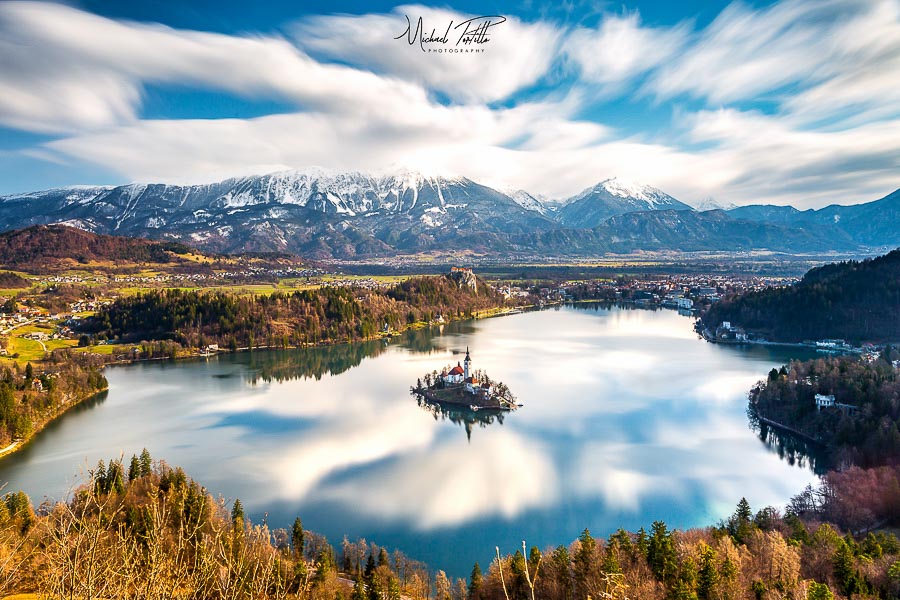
(463, 386)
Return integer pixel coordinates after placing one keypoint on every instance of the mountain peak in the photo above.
(612, 197)
(624, 188)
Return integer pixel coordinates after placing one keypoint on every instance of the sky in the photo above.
(790, 102)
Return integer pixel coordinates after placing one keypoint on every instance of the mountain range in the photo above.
(322, 214)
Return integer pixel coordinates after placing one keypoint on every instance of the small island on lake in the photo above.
(463, 386)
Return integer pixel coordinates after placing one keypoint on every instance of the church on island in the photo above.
(464, 386)
(463, 375)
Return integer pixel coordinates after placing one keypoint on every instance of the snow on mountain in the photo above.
(710, 204)
(613, 197)
(528, 201)
(346, 214)
(639, 194)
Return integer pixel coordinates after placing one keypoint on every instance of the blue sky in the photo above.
(786, 102)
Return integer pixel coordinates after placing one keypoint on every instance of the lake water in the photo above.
(628, 418)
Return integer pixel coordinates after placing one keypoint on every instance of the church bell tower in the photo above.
(467, 364)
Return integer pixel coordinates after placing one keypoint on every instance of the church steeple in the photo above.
(466, 363)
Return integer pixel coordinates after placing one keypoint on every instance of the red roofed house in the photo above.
(456, 375)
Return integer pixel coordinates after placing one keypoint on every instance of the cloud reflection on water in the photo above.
(618, 411)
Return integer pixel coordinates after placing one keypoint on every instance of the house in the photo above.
(37, 385)
(685, 303)
(456, 375)
(824, 401)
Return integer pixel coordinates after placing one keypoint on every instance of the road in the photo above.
(17, 325)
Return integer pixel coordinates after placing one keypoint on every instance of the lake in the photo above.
(628, 418)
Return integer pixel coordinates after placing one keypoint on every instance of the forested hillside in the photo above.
(46, 245)
(326, 314)
(30, 396)
(858, 301)
(142, 529)
(865, 432)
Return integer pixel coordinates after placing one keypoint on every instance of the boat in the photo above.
(473, 408)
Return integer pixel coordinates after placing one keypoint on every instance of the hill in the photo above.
(299, 318)
(43, 246)
(853, 300)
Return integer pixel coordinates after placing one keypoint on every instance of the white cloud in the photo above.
(517, 56)
(445, 485)
(771, 158)
(836, 62)
(620, 49)
(66, 69)
(809, 56)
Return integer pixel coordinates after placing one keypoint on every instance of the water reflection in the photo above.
(790, 448)
(628, 418)
(321, 361)
(464, 417)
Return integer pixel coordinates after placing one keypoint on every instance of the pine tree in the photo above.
(708, 576)
(642, 545)
(359, 590)
(848, 579)
(584, 561)
(115, 477)
(611, 559)
(622, 540)
(743, 511)
(237, 515)
(661, 555)
(818, 591)
(134, 468)
(100, 478)
(560, 562)
(369, 577)
(394, 589)
(297, 539)
(740, 524)
(476, 580)
(146, 463)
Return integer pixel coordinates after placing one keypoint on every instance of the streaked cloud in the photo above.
(790, 103)
(69, 70)
(520, 53)
(620, 49)
(813, 59)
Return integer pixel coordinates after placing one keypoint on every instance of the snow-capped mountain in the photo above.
(614, 197)
(710, 204)
(326, 214)
(316, 211)
(529, 201)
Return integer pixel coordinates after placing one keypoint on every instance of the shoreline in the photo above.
(789, 429)
(432, 397)
(17, 445)
(195, 353)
